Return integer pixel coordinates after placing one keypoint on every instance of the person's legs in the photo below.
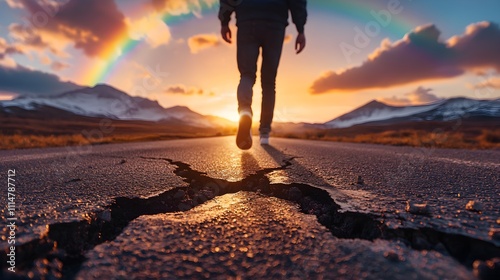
(247, 55)
(271, 52)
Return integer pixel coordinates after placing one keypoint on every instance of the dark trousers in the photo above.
(253, 36)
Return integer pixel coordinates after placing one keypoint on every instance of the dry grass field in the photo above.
(470, 134)
(18, 133)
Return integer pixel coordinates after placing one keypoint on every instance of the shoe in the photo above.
(264, 139)
(244, 136)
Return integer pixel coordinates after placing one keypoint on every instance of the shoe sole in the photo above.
(244, 137)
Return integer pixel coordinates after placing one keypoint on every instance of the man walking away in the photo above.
(261, 25)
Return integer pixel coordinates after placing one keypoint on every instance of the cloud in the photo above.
(23, 81)
(493, 82)
(201, 42)
(7, 96)
(479, 47)
(151, 28)
(26, 36)
(96, 26)
(7, 49)
(29, 39)
(183, 90)
(45, 59)
(58, 66)
(419, 56)
(15, 4)
(7, 62)
(419, 96)
(91, 25)
(288, 38)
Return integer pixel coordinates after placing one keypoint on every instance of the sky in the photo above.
(400, 52)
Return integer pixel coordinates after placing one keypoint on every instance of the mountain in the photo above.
(106, 101)
(445, 110)
(461, 107)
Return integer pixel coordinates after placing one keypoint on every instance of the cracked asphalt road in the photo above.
(253, 237)
(63, 186)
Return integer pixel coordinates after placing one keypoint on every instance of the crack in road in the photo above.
(61, 251)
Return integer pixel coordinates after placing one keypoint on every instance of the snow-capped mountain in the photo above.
(444, 110)
(106, 101)
(97, 101)
(456, 108)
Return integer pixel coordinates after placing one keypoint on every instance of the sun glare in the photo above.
(229, 114)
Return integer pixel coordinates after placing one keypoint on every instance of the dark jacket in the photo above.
(272, 10)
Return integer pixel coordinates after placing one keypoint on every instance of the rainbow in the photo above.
(360, 12)
(128, 48)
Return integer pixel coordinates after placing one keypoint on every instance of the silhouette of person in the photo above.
(261, 25)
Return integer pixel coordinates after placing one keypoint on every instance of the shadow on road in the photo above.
(248, 163)
(299, 169)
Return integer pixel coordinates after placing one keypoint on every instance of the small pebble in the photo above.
(360, 181)
(179, 194)
(475, 206)
(418, 208)
(489, 269)
(392, 256)
(494, 233)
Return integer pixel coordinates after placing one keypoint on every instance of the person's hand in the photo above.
(225, 31)
(300, 43)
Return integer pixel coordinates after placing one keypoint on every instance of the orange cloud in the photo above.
(58, 66)
(7, 96)
(150, 27)
(288, 38)
(493, 82)
(183, 90)
(26, 36)
(201, 42)
(419, 96)
(15, 4)
(91, 25)
(419, 56)
(7, 49)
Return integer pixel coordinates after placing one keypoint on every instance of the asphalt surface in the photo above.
(115, 211)
(253, 237)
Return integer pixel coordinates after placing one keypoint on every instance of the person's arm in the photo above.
(225, 11)
(298, 9)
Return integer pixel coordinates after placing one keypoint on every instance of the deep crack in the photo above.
(60, 252)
